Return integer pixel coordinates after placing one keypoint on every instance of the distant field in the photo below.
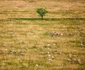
(55, 43)
(56, 8)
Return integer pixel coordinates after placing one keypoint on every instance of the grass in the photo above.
(30, 43)
(48, 19)
(32, 37)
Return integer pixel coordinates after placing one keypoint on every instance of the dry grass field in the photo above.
(55, 43)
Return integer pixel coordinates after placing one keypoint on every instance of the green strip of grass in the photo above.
(48, 19)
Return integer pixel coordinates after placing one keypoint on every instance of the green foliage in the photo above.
(42, 12)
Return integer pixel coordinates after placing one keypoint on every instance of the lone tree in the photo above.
(42, 12)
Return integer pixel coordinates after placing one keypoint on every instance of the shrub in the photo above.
(42, 12)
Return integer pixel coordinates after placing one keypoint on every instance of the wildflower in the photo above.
(49, 55)
(36, 65)
(13, 51)
(50, 59)
(59, 64)
(48, 45)
(48, 52)
(41, 52)
(69, 60)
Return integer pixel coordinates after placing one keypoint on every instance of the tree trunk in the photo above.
(42, 17)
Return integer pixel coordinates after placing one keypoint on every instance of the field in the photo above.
(55, 43)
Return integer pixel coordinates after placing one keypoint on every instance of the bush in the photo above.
(42, 12)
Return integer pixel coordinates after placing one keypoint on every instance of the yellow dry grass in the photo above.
(57, 9)
(32, 44)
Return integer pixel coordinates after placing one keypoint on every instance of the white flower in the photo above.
(48, 48)
(48, 45)
(54, 44)
(70, 55)
(5, 49)
(79, 60)
(13, 51)
(59, 64)
(22, 52)
(49, 55)
(41, 52)
(60, 52)
(48, 52)
(50, 59)
(69, 60)
(36, 65)
(61, 34)
(4, 45)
